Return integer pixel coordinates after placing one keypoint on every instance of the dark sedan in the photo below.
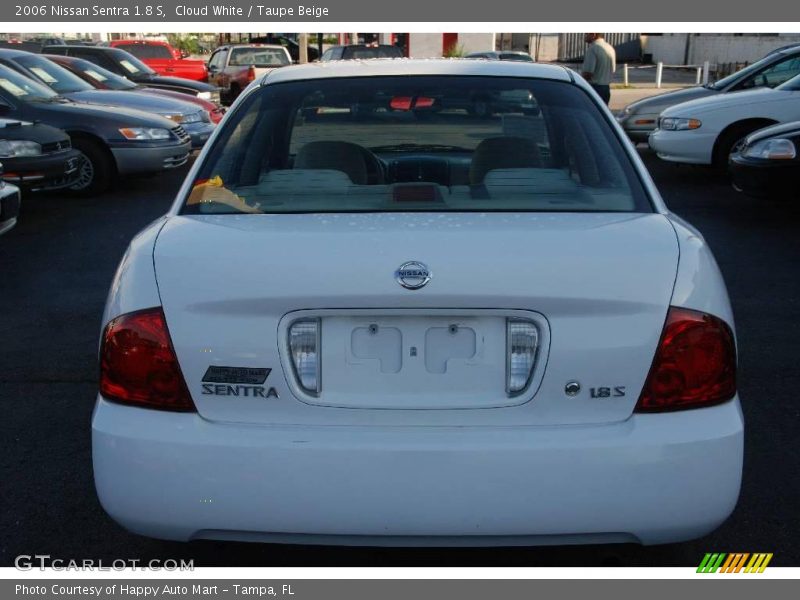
(196, 121)
(103, 79)
(767, 163)
(113, 141)
(126, 64)
(36, 156)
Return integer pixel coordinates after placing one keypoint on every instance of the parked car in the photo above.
(195, 121)
(502, 55)
(705, 131)
(361, 51)
(233, 68)
(125, 64)
(9, 204)
(163, 58)
(36, 156)
(767, 163)
(290, 44)
(639, 118)
(484, 104)
(112, 140)
(102, 79)
(528, 345)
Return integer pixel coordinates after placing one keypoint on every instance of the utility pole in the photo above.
(302, 39)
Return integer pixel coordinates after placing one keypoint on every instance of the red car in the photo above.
(102, 79)
(163, 58)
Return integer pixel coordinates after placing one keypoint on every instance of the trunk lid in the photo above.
(596, 286)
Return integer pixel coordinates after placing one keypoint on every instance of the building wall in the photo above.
(429, 45)
(476, 42)
(715, 48)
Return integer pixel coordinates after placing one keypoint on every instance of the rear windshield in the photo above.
(259, 57)
(147, 51)
(417, 143)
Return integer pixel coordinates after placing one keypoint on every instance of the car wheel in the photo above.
(234, 93)
(730, 140)
(96, 171)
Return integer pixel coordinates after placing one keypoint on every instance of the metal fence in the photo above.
(628, 46)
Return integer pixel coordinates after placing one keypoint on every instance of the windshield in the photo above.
(792, 85)
(417, 143)
(97, 74)
(52, 75)
(259, 57)
(131, 64)
(742, 73)
(23, 88)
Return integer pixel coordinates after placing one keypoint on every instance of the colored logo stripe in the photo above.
(758, 563)
(734, 562)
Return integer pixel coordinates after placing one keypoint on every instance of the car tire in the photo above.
(729, 139)
(97, 171)
(234, 93)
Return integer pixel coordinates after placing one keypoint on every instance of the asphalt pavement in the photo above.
(55, 269)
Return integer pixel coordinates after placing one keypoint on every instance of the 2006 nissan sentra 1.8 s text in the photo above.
(373, 318)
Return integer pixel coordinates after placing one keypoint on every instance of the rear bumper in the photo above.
(152, 159)
(652, 479)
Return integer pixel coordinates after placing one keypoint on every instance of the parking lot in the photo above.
(55, 268)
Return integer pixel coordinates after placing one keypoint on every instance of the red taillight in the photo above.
(694, 366)
(251, 73)
(138, 365)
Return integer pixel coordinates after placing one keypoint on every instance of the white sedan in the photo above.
(411, 326)
(705, 131)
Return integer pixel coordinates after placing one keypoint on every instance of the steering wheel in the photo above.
(376, 170)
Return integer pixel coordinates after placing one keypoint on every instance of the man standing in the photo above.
(599, 64)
